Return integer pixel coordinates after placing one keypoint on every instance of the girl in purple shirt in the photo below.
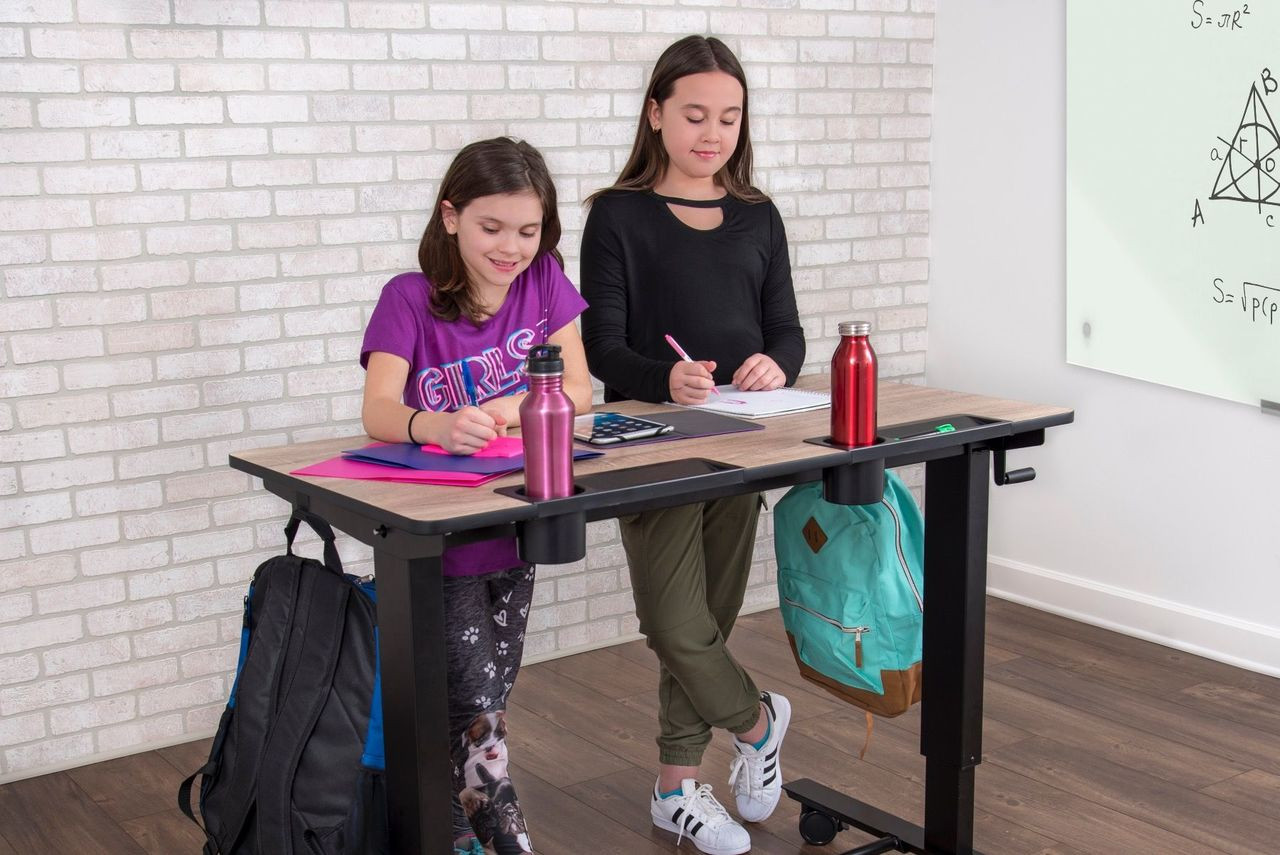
(444, 354)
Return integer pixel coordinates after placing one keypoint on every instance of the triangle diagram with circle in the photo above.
(1249, 171)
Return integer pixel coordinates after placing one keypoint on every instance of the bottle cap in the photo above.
(855, 328)
(545, 359)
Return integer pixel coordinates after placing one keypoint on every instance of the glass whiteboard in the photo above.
(1173, 193)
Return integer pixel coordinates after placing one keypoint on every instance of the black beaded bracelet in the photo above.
(409, 430)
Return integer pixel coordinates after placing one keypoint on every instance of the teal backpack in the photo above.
(851, 592)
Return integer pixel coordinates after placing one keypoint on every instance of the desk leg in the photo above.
(955, 624)
(415, 709)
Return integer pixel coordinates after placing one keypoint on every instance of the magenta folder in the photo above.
(341, 467)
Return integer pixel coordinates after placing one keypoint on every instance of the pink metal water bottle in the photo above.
(546, 426)
(853, 387)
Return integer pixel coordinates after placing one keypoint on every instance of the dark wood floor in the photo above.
(1094, 743)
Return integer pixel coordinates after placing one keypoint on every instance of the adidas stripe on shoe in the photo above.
(756, 774)
(695, 814)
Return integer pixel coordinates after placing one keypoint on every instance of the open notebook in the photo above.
(760, 405)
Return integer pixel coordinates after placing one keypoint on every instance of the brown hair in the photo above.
(648, 161)
(485, 168)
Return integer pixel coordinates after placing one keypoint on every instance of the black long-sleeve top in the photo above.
(722, 293)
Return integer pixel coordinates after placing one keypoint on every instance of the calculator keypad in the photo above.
(619, 427)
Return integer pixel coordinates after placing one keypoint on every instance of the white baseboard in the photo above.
(535, 658)
(1252, 646)
(114, 754)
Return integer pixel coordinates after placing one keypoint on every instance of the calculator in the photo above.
(608, 428)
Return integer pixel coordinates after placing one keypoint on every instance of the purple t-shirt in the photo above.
(541, 301)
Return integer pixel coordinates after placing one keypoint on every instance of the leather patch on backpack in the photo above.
(814, 535)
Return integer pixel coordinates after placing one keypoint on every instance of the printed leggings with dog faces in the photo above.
(485, 619)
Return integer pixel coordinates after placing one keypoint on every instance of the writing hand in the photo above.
(469, 430)
(691, 382)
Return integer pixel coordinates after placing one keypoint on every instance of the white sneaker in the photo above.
(756, 774)
(696, 814)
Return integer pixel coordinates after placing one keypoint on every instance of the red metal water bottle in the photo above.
(546, 426)
(853, 387)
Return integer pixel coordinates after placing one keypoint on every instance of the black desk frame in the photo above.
(407, 561)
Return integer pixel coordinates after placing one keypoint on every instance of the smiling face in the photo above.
(498, 237)
(699, 124)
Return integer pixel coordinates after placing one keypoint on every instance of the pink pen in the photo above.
(675, 345)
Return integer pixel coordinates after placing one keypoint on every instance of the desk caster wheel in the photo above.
(818, 828)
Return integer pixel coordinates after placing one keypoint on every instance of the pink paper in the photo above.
(341, 467)
(503, 446)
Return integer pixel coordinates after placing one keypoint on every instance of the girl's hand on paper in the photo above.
(691, 382)
(759, 373)
(468, 430)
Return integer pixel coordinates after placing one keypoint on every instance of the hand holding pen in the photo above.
(471, 427)
(690, 381)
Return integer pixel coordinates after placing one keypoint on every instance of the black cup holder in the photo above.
(854, 483)
(859, 483)
(560, 539)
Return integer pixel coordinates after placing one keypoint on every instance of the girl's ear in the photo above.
(655, 115)
(449, 215)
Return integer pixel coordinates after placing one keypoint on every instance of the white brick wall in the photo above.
(199, 200)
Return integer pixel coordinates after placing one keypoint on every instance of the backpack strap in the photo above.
(184, 798)
(320, 527)
(184, 804)
(322, 610)
(254, 720)
(211, 764)
(209, 768)
(866, 743)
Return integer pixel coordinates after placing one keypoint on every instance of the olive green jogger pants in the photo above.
(689, 569)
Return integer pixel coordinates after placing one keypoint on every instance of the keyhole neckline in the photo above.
(692, 203)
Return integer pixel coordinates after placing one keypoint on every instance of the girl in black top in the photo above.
(684, 245)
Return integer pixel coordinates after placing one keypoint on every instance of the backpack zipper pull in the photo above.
(857, 647)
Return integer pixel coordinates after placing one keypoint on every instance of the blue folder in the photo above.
(409, 456)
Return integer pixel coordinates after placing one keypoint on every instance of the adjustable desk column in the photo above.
(414, 699)
(954, 628)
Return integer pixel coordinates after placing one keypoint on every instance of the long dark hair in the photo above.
(648, 161)
(485, 168)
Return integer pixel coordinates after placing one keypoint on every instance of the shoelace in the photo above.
(754, 779)
(714, 813)
(739, 763)
(751, 780)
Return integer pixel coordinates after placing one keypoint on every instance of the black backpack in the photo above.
(297, 765)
